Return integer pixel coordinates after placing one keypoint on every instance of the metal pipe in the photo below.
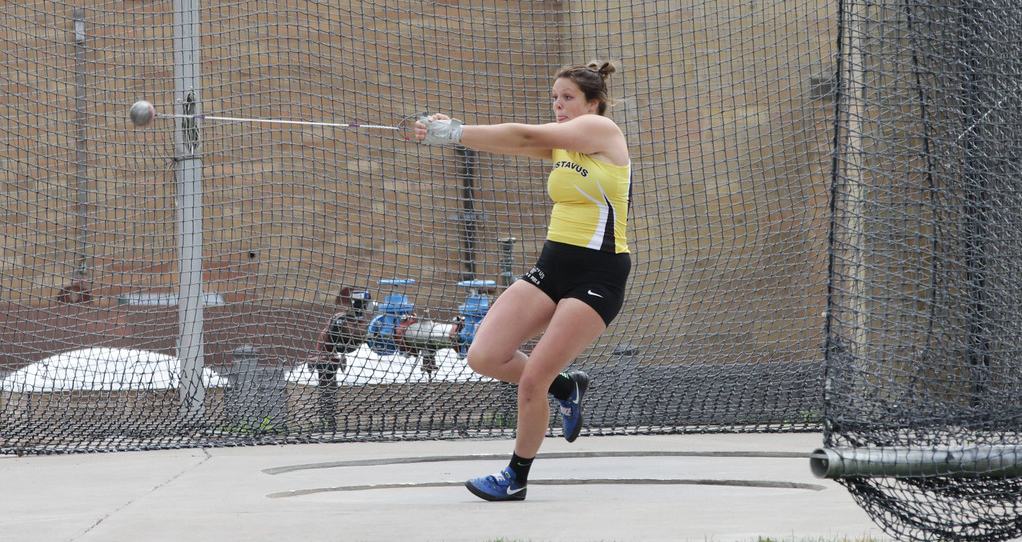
(507, 261)
(191, 347)
(469, 218)
(81, 149)
(905, 462)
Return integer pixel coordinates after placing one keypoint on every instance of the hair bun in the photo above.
(591, 78)
(602, 68)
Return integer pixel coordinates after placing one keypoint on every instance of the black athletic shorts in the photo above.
(597, 278)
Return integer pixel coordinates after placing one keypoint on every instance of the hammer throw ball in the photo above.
(142, 113)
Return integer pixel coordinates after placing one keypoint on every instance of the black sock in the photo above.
(520, 466)
(562, 387)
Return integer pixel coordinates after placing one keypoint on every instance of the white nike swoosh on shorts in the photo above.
(590, 292)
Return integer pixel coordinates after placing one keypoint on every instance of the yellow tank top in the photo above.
(590, 202)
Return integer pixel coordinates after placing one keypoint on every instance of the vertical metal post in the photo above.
(979, 168)
(848, 211)
(468, 217)
(850, 172)
(189, 208)
(507, 262)
(81, 271)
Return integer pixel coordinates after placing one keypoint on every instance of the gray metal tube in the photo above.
(189, 213)
(903, 462)
(81, 149)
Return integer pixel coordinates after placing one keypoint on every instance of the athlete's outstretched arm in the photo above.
(589, 134)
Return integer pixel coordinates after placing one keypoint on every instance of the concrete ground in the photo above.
(726, 488)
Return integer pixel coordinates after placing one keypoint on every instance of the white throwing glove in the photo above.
(441, 132)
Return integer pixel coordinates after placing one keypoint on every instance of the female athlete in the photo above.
(577, 286)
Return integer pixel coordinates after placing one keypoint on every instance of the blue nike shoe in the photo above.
(571, 409)
(497, 487)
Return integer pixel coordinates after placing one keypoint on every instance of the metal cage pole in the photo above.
(851, 173)
(81, 271)
(848, 289)
(189, 209)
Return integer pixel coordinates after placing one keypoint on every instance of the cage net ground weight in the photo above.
(204, 283)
